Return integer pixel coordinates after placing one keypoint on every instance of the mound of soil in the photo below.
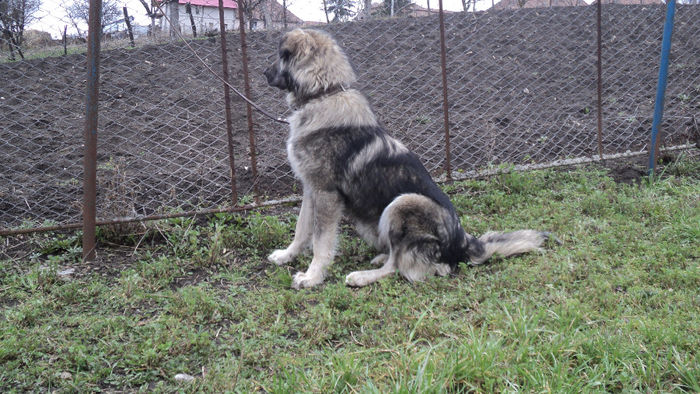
(521, 89)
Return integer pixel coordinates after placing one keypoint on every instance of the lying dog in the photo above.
(349, 165)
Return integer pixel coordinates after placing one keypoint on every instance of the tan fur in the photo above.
(320, 61)
(323, 113)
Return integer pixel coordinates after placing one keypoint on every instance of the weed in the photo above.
(120, 193)
(257, 233)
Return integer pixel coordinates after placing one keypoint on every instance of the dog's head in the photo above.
(309, 63)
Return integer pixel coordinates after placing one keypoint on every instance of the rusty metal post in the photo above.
(249, 109)
(227, 99)
(600, 80)
(91, 103)
(445, 106)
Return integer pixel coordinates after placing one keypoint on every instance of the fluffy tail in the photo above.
(505, 244)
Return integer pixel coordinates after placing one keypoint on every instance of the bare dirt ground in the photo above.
(521, 90)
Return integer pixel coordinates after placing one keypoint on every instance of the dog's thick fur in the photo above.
(349, 165)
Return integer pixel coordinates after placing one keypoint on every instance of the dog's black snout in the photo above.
(268, 74)
(275, 77)
(271, 74)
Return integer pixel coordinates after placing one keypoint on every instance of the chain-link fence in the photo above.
(521, 90)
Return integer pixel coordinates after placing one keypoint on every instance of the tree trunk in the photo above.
(325, 11)
(128, 27)
(10, 46)
(188, 11)
(284, 14)
(65, 40)
(18, 45)
(267, 14)
(174, 18)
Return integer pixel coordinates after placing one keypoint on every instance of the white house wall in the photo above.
(205, 19)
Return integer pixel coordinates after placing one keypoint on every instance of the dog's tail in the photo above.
(505, 244)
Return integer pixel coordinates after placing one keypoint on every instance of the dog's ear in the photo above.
(297, 43)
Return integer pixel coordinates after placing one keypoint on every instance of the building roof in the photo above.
(259, 13)
(410, 9)
(277, 15)
(210, 3)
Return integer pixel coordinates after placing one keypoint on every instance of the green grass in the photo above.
(615, 308)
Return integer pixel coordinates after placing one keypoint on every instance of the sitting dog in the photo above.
(349, 165)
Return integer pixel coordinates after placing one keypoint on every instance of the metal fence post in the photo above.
(91, 110)
(445, 106)
(248, 107)
(661, 86)
(227, 99)
(600, 77)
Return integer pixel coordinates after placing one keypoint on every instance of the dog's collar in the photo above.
(335, 89)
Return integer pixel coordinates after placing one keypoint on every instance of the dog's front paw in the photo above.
(356, 279)
(280, 257)
(304, 280)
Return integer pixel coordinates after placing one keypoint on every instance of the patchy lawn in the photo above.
(615, 308)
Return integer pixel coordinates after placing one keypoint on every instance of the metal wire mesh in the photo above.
(525, 95)
(629, 97)
(521, 88)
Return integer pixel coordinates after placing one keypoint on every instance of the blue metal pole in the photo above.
(661, 86)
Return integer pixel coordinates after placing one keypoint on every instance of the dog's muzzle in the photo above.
(275, 77)
(270, 74)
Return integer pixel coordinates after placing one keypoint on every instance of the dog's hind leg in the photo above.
(411, 225)
(364, 278)
(326, 219)
(302, 234)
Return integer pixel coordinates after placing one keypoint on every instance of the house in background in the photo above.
(377, 10)
(205, 14)
(516, 4)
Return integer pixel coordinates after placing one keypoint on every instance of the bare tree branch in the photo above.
(15, 15)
